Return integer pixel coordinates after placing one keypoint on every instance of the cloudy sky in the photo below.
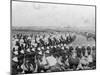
(43, 14)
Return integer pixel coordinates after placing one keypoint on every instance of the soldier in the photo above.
(73, 60)
(83, 50)
(94, 50)
(78, 50)
(88, 49)
(90, 57)
(94, 57)
(70, 48)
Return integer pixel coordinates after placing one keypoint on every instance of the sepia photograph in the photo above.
(52, 37)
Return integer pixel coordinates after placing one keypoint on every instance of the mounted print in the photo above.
(52, 37)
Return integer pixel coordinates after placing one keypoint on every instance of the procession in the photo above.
(50, 52)
(51, 37)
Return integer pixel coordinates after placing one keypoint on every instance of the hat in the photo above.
(28, 50)
(58, 45)
(55, 46)
(38, 48)
(40, 52)
(47, 51)
(88, 45)
(47, 47)
(61, 44)
(42, 48)
(79, 46)
(22, 51)
(62, 48)
(33, 49)
(51, 46)
(16, 52)
(65, 45)
(15, 59)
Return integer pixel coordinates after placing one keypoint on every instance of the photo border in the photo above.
(59, 3)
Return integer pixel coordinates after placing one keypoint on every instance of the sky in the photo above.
(43, 14)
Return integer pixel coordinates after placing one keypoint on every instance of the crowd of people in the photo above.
(49, 52)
